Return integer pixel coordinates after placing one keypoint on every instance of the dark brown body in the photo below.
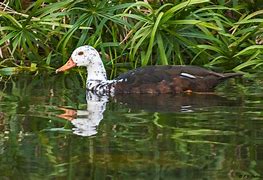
(170, 79)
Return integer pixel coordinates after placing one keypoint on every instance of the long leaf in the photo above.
(258, 20)
(161, 49)
(195, 22)
(8, 37)
(150, 46)
(140, 4)
(134, 16)
(212, 48)
(249, 50)
(12, 19)
(253, 14)
(250, 62)
(170, 13)
(145, 35)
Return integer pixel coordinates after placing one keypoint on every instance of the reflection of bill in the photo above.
(86, 121)
(68, 114)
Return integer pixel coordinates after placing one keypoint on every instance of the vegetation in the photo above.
(221, 140)
(213, 33)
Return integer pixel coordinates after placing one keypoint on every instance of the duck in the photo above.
(154, 79)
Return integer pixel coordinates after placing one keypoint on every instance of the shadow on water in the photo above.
(51, 128)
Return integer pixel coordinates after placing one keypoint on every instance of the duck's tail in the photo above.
(231, 75)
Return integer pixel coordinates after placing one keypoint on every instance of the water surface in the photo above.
(50, 129)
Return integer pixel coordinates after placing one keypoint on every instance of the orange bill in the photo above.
(69, 64)
(69, 114)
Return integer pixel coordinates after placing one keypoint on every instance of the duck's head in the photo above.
(82, 56)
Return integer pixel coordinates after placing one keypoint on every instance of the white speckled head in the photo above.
(89, 57)
(84, 55)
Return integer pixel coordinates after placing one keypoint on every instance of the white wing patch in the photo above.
(188, 75)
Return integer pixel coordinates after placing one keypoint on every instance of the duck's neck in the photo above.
(96, 71)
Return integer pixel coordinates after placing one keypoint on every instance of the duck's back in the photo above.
(169, 79)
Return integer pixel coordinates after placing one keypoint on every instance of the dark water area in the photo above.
(51, 128)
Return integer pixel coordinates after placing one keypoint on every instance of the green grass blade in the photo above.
(134, 16)
(212, 48)
(140, 4)
(145, 34)
(152, 38)
(195, 22)
(161, 50)
(170, 13)
(252, 61)
(8, 37)
(11, 19)
(249, 50)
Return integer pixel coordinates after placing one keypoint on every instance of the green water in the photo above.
(129, 137)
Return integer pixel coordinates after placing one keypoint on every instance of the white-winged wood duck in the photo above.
(149, 79)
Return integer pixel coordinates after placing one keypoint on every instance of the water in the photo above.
(49, 129)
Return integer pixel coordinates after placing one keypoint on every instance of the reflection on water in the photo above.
(86, 121)
(51, 128)
(173, 103)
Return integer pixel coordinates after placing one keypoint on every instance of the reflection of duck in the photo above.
(86, 121)
(150, 79)
(173, 103)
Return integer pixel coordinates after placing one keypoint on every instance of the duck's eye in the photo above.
(81, 53)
